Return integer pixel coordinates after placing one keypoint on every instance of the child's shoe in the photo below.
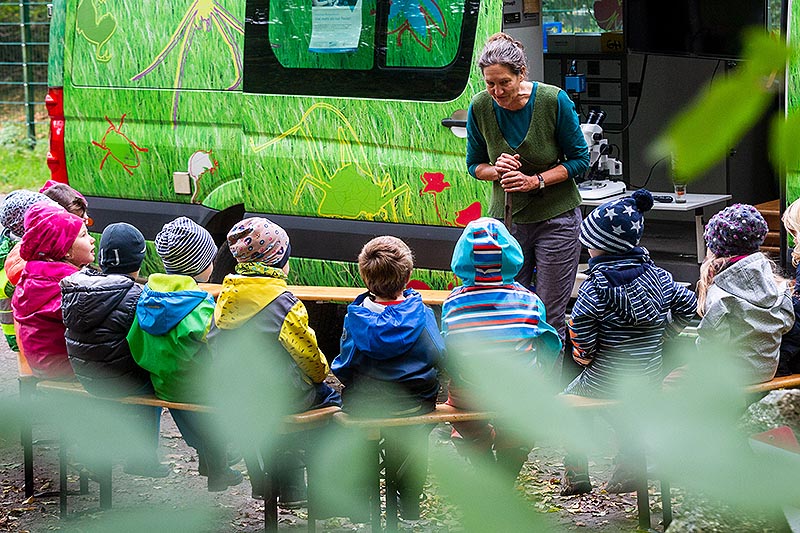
(228, 477)
(409, 506)
(232, 457)
(292, 491)
(625, 478)
(576, 476)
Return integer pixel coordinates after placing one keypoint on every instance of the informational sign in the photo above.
(522, 13)
(335, 26)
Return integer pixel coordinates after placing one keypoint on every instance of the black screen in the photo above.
(703, 28)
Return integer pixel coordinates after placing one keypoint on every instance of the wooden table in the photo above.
(310, 293)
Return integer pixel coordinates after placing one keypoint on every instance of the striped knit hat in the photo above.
(736, 230)
(486, 254)
(184, 247)
(616, 227)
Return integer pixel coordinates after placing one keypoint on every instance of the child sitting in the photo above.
(66, 197)
(618, 324)
(168, 339)
(789, 361)
(743, 307)
(490, 308)
(262, 343)
(389, 351)
(12, 213)
(98, 309)
(55, 244)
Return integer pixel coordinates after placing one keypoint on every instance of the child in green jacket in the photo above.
(168, 339)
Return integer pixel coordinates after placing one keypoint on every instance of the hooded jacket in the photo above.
(490, 307)
(98, 312)
(746, 314)
(389, 358)
(259, 325)
(37, 309)
(618, 323)
(168, 336)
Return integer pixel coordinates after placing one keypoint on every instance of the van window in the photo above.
(407, 50)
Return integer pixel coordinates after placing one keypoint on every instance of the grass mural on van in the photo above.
(210, 116)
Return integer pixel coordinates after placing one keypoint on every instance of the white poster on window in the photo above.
(335, 26)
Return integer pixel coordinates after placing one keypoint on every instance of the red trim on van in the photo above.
(56, 156)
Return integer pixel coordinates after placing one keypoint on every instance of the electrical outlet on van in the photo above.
(181, 183)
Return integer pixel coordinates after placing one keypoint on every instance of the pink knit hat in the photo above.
(50, 231)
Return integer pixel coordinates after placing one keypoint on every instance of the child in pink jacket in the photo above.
(56, 243)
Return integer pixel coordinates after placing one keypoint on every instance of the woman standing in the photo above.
(525, 138)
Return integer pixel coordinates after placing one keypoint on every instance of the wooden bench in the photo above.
(783, 382)
(443, 413)
(300, 422)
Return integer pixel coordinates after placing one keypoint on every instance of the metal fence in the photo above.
(24, 32)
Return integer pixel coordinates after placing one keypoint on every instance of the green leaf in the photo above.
(764, 53)
(784, 135)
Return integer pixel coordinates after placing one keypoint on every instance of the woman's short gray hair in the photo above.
(502, 49)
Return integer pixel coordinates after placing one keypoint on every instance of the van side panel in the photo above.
(153, 88)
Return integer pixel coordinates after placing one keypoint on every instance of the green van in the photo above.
(338, 119)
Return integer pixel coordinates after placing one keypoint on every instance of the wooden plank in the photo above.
(311, 293)
(783, 382)
(443, 413)
(291, 424)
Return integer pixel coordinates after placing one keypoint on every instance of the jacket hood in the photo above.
(622, 284)
(88, 297)
(242, 297)
(486, 254)
(166, 300)
(751, 279)
(394, 330)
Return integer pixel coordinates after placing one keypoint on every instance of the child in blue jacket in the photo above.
(390, 348)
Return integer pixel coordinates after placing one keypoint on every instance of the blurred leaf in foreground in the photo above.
(701, 135)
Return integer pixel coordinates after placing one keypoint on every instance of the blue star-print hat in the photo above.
(617, 226)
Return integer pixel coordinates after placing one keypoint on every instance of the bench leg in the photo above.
(390, 475)
(375, 497)
(62, 475)
(270, 498)
(26, 389)
(666, 504)
(642, 496)
(105, 485)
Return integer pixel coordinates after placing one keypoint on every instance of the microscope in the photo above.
(604, 170)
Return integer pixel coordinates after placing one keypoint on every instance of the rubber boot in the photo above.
(576, 475)
(510, 461)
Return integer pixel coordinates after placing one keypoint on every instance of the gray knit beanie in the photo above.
(185, 247)
(14, 207)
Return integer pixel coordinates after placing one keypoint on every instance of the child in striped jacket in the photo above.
(491, 308)
(624, 310)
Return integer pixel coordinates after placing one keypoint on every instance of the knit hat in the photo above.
(121, 249)
(736, 230)
(486, 254)
(258, 239)
(616, 226)
(185, 247)
(14, 206)
(50, 232)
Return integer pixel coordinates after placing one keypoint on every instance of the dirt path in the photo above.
(180, 502)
